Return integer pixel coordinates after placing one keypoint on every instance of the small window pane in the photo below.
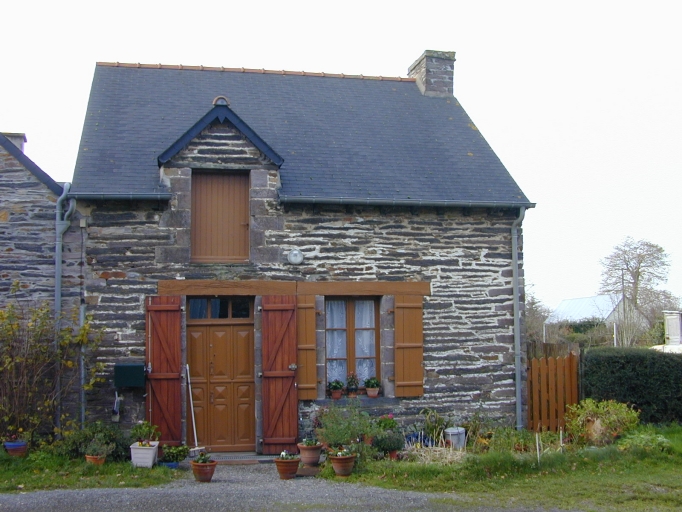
(198, 308)
(364, 314)
(366, 368)
(240, 307)
(336, 314)
(336, 370)
(336, 344)
(364, 344)
(220, 308)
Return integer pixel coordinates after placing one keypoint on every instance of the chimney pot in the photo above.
(433, 72)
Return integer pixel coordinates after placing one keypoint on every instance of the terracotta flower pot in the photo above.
(203, 472)
(393, 454)
(287, 468)
(310, 455)
(372, 392)
(16, 448)
(97, 460)
(337, 394)
(343, 466)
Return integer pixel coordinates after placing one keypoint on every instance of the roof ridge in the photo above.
(252, 70)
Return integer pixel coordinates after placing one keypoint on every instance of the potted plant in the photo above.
(352, 384)
(144, 451)
(310, 450)
(171, 456)
(203, 467)
(97, 450)
(336, 389)
(389, 441)
(372, 386)
(15, 443)
(287, 465)
(342, 461)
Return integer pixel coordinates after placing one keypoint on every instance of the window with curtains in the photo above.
(352, 338)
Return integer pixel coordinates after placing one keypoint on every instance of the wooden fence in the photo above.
(552, 385)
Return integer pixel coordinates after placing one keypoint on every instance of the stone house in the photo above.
(277, 230)
(31, 203)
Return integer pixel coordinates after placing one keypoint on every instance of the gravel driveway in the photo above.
(242, 487)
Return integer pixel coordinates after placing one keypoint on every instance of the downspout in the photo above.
(62, 223)
(517, 315)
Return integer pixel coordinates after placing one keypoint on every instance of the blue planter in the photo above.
(14, 444)
(170, 465)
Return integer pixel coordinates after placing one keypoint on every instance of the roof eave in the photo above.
(402, 202)
(146, 196)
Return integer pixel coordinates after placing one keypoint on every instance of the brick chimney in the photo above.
(434, 73)
(17, 139)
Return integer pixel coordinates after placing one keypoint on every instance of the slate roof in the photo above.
(32, 167)
(346, 140)
(586, 308)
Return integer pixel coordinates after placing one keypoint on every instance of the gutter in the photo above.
(517, 315)
(155, 196)
(61, 224)
(283, 198)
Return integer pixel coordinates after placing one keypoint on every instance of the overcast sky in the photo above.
(581, 100)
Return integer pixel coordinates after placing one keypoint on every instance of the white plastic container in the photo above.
(456, 436)
(144, 456)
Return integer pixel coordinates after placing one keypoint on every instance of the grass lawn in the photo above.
(44, 471)
(603, 479)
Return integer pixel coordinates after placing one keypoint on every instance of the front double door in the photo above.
(221, 360)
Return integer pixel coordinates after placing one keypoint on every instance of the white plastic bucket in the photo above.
(456, 436)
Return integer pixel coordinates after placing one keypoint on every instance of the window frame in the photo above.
(350, 329)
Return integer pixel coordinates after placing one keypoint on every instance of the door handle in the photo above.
(211, 398)
(293, 366)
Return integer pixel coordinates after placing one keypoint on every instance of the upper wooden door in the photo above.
(164, 367)
(280, 402)
(221, 359)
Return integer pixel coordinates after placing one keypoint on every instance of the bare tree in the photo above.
(634, 268)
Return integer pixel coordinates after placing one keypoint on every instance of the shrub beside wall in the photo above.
(650, 381)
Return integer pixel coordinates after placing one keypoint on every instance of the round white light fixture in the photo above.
(295, 257)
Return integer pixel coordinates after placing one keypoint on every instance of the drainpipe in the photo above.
(517, 314)
(62, 223)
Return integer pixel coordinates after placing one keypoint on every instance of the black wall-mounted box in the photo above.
(129, 375)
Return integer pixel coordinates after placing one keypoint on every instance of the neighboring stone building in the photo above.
(276, 230)
(28, 203)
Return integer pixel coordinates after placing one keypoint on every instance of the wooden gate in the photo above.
(164, 367)
(280, 402)
(552, 385)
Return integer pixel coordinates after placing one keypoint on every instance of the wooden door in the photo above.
(164, 367)
(280, 404)
(221, 359)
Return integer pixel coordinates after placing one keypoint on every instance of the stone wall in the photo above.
(464, 253)
(27, 237)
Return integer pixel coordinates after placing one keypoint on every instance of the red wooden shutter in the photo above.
(164, 366)
(280, 404)
(409, 346)
(306, 373)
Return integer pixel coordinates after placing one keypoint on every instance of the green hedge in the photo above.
(651, 381)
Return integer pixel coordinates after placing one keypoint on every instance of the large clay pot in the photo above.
(287, 468)
(16, 448)
(310, 455)
(337, 394)
(343, 466)
(97, 460)
(203, 472)
(372, 392)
